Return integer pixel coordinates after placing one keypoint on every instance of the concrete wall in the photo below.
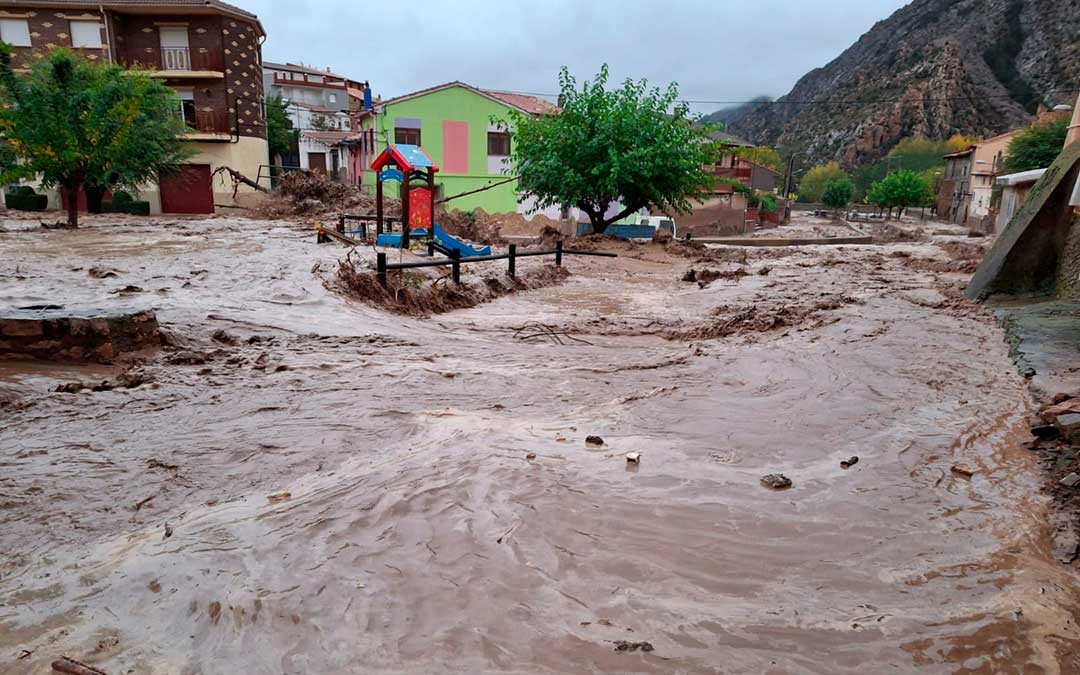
(1039, 251)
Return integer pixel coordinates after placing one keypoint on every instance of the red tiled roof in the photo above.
(297, 68)
(330, 137)
(521, 102)
(531, 104)
(218, 5)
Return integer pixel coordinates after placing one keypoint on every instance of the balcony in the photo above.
(180, 62)
(206, 125)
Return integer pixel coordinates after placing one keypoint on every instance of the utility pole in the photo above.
(787, 176)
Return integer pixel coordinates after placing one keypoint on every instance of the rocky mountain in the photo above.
(933, 69)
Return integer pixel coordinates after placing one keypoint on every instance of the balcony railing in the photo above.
(211, 122)
(178, 59)
(206, 121)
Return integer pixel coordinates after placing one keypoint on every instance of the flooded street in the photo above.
(311, 485)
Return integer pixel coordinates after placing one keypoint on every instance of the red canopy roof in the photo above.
(406, 157)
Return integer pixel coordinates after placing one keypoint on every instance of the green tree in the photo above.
(910, 154)
(766, 157)
(837, 193)
(900, 190)
(812, 185)
(77, 124)
(613, 145)
(280, 135)
(1037, 146)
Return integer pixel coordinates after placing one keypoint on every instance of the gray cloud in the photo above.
(717, 50)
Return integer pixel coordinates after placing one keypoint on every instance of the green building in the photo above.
(453, 123)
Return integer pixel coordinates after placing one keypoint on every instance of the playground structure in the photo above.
(415, 171)
(410, 165)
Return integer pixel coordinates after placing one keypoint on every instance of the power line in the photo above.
(836, 101)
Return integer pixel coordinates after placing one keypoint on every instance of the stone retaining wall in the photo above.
(57, 335)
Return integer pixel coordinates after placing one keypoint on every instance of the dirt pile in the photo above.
(313, 194)
(960, 250)
(706, 276)
(731, 320)
(489, 228)
(417, 294)
(890, 233)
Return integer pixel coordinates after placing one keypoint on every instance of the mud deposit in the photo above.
(302, 483)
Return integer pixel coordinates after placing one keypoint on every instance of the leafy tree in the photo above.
(900, 190)
(812, 186)
(838, 193)
(1037, 146)
(280, 135)
(79, 124)
(767, 202)
(766, 157)
(958, 142)
(910, 154)
(613, 145)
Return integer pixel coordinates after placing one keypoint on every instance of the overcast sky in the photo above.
(717, 50)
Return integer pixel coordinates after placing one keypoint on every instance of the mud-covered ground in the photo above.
(307, 484)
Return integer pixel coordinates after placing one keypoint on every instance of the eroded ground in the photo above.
(311, 485)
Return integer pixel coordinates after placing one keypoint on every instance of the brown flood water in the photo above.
(415, 535)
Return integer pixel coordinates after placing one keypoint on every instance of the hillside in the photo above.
(934, 68)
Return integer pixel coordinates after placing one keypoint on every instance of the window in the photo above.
(15, 32)
(406, 136)
(186, 109)
(86, 34)
(332, 97)
(174, 48)
(498, 144)
(317, 79)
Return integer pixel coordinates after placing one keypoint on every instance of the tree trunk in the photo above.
(73, 204)
(598, 224)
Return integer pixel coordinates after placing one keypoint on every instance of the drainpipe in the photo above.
(1074, 126)
(105, 18)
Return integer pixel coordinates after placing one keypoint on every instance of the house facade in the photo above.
(208, 51)
(452, 122)
(954, 194)
(319, 100)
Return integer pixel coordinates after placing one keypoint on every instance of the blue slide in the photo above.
(442, 238)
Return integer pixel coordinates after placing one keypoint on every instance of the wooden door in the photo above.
(189, 190)
(317, 161)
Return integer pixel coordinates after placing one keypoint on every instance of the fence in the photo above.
(455, 261)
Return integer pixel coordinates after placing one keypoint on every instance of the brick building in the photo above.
(208, 51)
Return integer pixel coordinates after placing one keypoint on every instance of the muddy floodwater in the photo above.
(306, 484)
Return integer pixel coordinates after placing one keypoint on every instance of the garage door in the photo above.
(189, 190)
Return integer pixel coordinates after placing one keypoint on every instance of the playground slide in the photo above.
(444, 239)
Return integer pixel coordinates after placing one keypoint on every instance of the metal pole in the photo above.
(405, 211)
(513, 261)
(378, 203)
(558, 253)
(455, 256)
(380, 268)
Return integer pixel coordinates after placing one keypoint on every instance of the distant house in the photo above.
(318, 99)
(733, 166)
(334, 153)
(453, 123)
(1015, 188)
